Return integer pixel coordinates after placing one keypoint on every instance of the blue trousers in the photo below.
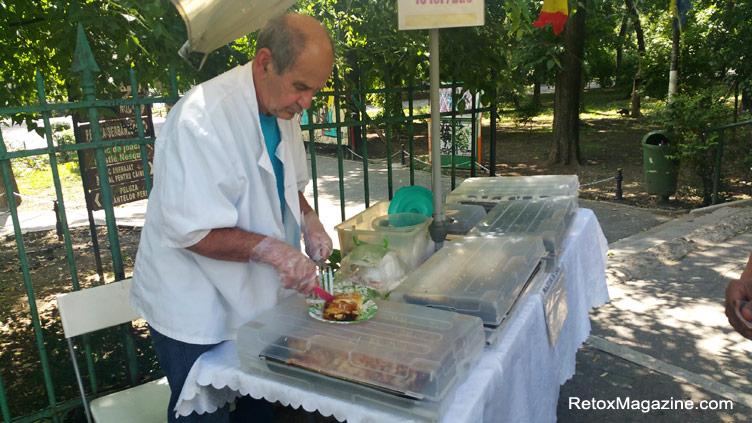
(176, 359)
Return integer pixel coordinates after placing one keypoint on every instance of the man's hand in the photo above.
(738, 304)
(318, 245)
(295, 269)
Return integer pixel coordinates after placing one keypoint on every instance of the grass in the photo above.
(36, 185)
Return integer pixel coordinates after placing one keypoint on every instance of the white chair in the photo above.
(97, 308)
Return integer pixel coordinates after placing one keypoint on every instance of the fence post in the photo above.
(717, 170)
(619, 179)
(83, 61)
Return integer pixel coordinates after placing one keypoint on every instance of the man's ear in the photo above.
(263, 60)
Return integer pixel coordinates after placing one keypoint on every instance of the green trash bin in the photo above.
(660, 171)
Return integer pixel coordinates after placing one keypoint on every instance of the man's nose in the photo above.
(305, 100)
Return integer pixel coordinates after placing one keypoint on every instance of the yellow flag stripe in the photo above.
(553, 6)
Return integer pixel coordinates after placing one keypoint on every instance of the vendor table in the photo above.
(516, 379)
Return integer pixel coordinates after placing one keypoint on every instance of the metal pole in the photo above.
(438, 226)
(717, 170)
(619, 179)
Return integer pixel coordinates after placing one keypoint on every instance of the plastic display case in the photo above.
(477, 276)
(460, 218)
(374, 225)
(488, 192)
(404, 352)
(548, 218)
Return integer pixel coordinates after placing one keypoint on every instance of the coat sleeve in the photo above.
(196, 188)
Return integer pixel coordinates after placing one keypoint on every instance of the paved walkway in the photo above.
(664, 339)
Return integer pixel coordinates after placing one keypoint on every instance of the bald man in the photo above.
(221, 241)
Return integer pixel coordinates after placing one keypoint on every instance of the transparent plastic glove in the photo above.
(318, 245)
(295, 270)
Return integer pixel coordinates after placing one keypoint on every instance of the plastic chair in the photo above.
(97, 308)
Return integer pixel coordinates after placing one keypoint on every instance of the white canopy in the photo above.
(213, 23)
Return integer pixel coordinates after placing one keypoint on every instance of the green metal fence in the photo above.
(36, 377)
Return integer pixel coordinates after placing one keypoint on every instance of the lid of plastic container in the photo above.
(406, 349)
(503, 188)
(478, 276)
(548, 218)
(399, 221)
(412, 199)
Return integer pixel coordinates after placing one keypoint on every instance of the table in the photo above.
(517, 379)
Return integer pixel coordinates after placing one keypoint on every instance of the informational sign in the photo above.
(463, 130)
(426, 14)
(554, 292)
(124, 166)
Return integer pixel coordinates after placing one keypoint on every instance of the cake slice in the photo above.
(343, 307)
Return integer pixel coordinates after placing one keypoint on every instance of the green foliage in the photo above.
(526, 113)
(689, 119)
(62, 134)
(40, 36)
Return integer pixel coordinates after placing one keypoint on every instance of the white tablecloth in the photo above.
(517, 379)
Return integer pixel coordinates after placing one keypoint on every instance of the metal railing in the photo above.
(717, 171)
(38, 374)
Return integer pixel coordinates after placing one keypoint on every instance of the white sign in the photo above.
(425, 14)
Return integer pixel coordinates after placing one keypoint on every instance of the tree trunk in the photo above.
(637, 83)
(583, 83)
(565, 149)
(673, 75)
(746, 97)
(620, 47)
(4, 206)
(537, 94)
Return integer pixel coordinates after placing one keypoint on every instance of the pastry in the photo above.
(343, 307)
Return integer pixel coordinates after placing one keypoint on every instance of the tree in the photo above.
(637, 82)
(39, 35)
(565, 149)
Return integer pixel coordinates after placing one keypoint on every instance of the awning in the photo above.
(213, 23)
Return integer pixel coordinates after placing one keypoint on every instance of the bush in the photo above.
(62, 134)
(689, 119)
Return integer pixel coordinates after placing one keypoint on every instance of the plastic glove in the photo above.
(296, 271)
(318, 245)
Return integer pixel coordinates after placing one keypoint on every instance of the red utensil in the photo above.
(323, 294)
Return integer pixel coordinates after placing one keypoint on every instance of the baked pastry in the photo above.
(344, 307)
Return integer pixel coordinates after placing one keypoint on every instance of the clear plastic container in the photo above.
(490, 191)
(372, 226)
(477, 276)
(548, 218)
(460, 218)
(371, 265)
(404, 350)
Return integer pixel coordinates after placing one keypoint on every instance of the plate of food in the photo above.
(351, 304)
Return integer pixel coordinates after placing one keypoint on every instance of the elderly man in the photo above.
(221, 241)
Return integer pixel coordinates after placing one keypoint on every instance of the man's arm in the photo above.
(296, 271)
(230, 244)
(738, 292)
(305, 208)
(318, 245)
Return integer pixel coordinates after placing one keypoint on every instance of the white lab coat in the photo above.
(212, 170)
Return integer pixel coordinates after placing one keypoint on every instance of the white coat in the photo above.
(212, 170)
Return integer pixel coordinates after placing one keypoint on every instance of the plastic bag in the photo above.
(372, 265)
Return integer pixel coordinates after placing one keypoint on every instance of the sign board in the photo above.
(426, 14)
(463, 130)
(124, 166)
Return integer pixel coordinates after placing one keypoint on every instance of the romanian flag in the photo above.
(553, 12)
